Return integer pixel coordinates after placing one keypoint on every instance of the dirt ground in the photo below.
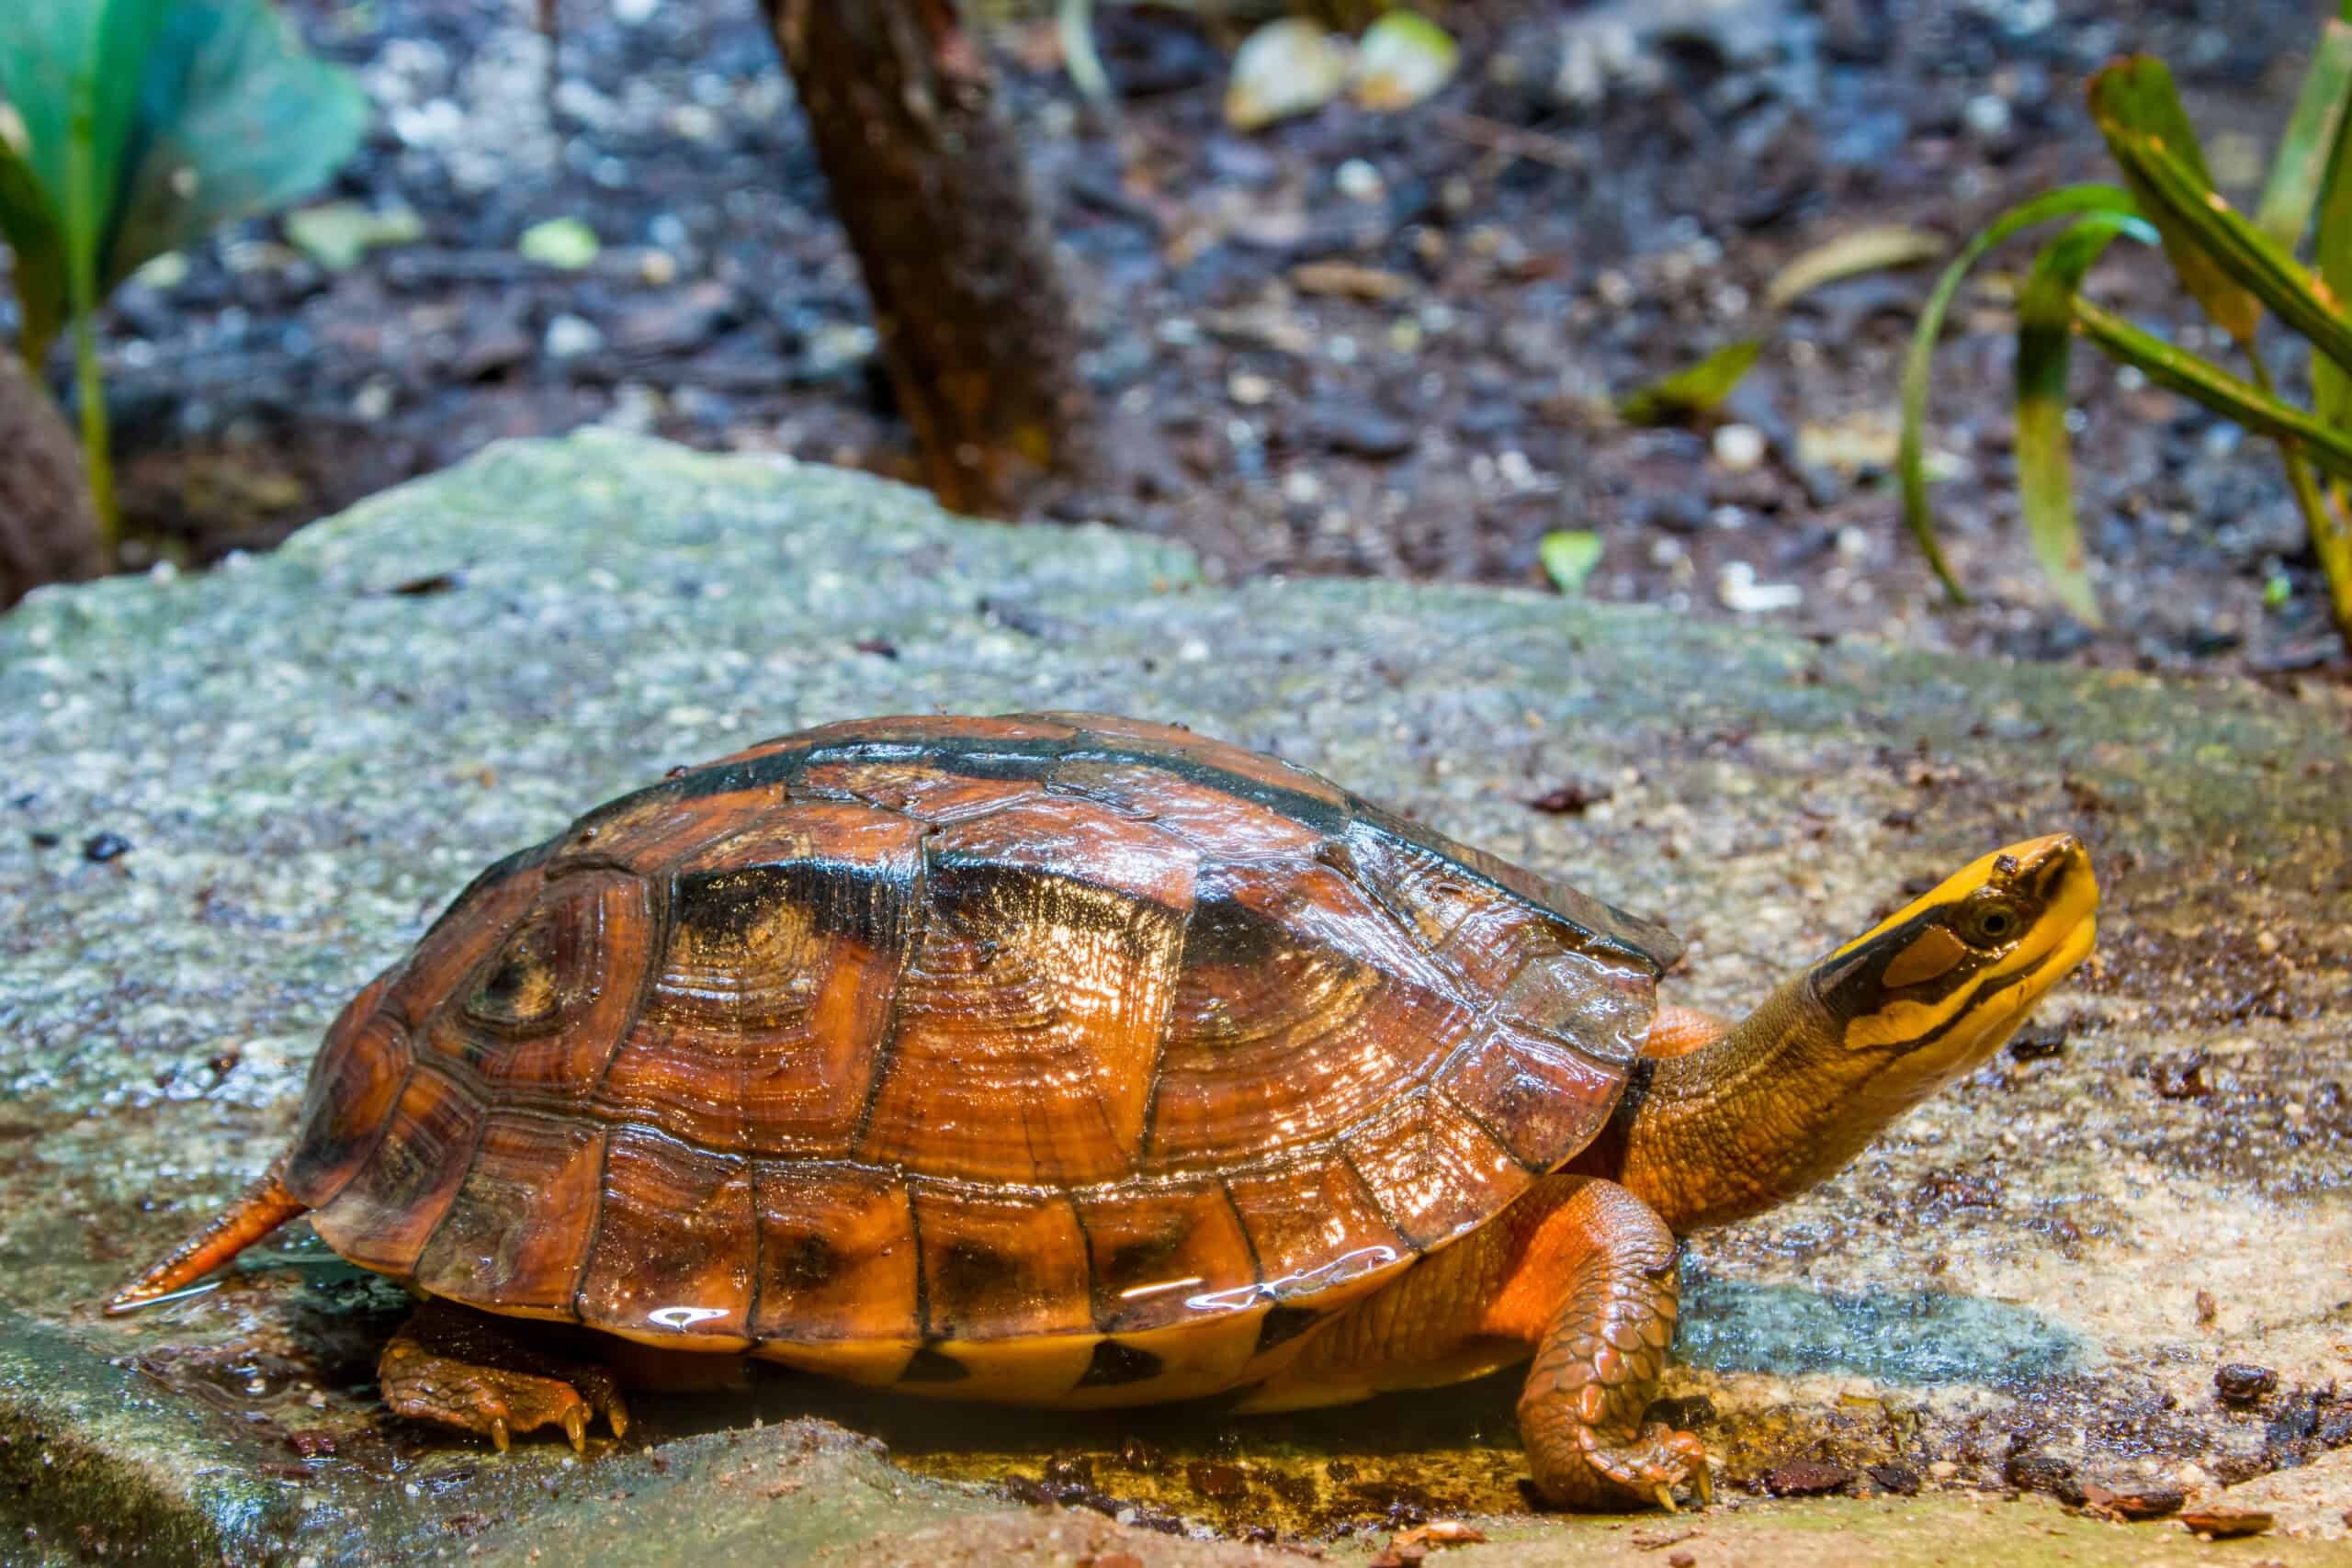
(1537, 256)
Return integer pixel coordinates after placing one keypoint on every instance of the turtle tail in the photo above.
(264, 1206)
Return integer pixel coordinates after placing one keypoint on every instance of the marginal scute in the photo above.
(1315, 1226)
(385, 1212)
(998, 1263)
(358, 1076)
(837, 1254)
(1434, 1171)
(1156, 1250)
(515, 1234)
(671, 1262)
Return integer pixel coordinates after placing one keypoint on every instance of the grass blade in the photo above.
(1910, 462)
(2149, 134)
(2202, 381)
(28, 223)
(2309, 142)
(2045, 463)
(2186, 211)
(1694, 390)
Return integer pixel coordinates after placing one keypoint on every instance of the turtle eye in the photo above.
(1992, 923)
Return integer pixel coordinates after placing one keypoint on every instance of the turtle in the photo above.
(1074, 1061)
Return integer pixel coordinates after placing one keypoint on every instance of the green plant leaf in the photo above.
(30, 225)
(2305, 151)
(1910, 455)
(73, 70)
(2203, 381)
(2045, 338)
(2332, 383)
(1694, 390)
(2153, 142)
(2241, 252)
(1074, 20)
(234, 119)
(1569, 557)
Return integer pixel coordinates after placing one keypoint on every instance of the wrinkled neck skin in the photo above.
(1776, 1105)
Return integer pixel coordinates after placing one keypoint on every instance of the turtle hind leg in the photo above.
(456, 1367)
(1610, 1275)
(263, 1207)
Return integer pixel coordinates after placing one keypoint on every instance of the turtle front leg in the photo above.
(1608, 1264)
(456, 1367)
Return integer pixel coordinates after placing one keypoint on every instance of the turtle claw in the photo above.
(1652, 1466)
(461, 1370)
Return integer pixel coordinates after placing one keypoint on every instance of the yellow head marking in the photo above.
(1965, 961)
(1932, 953)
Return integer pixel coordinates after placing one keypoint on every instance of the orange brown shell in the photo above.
(995, 1052)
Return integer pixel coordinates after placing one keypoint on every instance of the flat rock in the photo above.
(307, 754)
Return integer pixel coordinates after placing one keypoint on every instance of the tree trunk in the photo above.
(48, 531)
(974, 318)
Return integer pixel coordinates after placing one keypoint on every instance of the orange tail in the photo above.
(264, 1206)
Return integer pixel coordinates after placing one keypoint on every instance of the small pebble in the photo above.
(1248, 388)
(2241, 1382)
(1738, 447)
(1359, 181)
(104, 847)
(571, 337)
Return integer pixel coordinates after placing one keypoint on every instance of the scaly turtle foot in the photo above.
(464, 1368)
(1650, 1468)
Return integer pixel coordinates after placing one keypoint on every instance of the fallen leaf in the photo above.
(2221, 1521)
(336, 234)
(564, 242)
(1349, 280)
(1874, 249)
(1569, 556)
(1402, 58)
(1439, 1532)
(1284, 68)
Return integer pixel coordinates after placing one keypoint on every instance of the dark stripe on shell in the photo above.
(1115, 1364)
(1282, 1324)
(927, 1365)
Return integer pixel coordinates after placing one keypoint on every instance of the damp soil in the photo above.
(1533, 260)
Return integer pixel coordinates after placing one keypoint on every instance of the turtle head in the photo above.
(1940, 983)
(1790, 1093)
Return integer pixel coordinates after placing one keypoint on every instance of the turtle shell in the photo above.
(1055, 1057)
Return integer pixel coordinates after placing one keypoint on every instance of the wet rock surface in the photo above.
(2033, 1286)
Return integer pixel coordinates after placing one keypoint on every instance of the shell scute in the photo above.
(672, 1260)
(998, 1263)
(837, 1254)
(1154, 1249)
(516, 1233)
(1299, 1009)
(760, 1026)
(1314, 1227)
(384, 1214)
(1436, 1171)
(1031, 1009)
(357, 1077)
(542, 1012)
